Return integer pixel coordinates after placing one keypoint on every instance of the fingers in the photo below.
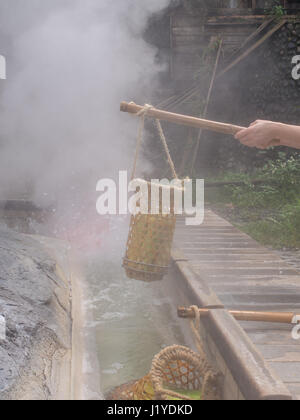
(249, 141)
(253, 141)
(251, 138)
(246, 137)
(242, 134)
(257, 135)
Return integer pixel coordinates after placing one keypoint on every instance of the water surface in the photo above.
(132, 320)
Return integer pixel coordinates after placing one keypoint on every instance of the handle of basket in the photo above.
(172, 394)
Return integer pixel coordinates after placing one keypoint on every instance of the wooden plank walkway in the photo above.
(247, 276)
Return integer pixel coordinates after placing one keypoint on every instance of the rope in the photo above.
(195, 326)
(210, 90)
(176, 101)
(212, 378)
(165, 145)
(142, 114)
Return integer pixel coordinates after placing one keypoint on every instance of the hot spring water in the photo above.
(132, 320)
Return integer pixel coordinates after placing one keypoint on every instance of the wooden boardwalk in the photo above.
(247, 276)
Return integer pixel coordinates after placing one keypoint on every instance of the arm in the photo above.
(261, 133)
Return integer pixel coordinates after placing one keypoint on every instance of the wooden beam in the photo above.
(272, 317)
(254, 34)
(253, 47)
(213, 78)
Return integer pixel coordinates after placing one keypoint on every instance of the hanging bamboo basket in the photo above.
(151, 234)
(150, 240)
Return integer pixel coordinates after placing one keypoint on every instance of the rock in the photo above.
(37, 323)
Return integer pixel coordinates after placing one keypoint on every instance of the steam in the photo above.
(70, 63)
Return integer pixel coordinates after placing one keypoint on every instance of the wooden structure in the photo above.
(234, 272)
(191, 31)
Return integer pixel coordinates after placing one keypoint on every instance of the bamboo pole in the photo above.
(272, 317)
(194, 158)
(180, 119)
(253, 47)
(253, 35)
(185, 120)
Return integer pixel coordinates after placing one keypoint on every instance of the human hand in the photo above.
(260, 134)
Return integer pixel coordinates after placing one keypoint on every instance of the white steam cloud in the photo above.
(70, 63)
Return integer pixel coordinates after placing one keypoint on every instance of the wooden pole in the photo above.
(253, 47)
(253, 35)
(194, 158)
(186, 120)
(180, 119)
(272, 317)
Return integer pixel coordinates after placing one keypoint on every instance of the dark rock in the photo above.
(26, 297)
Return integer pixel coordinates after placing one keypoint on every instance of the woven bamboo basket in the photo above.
(150, 240)
(141, 390)
(177, 373)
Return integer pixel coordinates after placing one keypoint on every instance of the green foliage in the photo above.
(285, 175)
(282, 230)
(275, 9)
(269, 212)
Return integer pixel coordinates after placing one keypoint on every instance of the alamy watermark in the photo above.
(296, 67)
(296, 329)
(2, 328)
(2, 67)
(155, 197)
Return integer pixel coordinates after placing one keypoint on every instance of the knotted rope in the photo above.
(211, 383)
(195, 326)
(165, 145)
(142, 114)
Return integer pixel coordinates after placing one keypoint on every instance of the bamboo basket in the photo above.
(141, 390)
(150, 240)
(177, 373)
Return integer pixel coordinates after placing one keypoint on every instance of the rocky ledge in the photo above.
(35, 355)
